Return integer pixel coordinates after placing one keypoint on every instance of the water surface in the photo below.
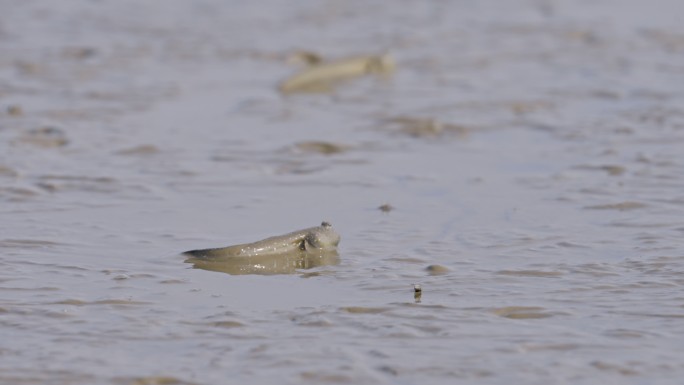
(532, 150)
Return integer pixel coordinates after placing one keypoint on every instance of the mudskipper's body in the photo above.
(322, 75)
(281, 254)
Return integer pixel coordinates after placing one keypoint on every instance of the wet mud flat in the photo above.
(520, 163)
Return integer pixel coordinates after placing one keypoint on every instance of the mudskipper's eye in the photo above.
(302, 245)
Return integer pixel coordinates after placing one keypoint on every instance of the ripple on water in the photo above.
(320, 148)
(364, 310)
(610, 169)
(339, 376)
(591, 269)
(29, 289)
(57, 183)
(522, 312)
(531, 273)
(618, 368)
(225, 324)
(312, 320)
(47, 376)
(28, 243)
(562, 347)
(18, 194)
(622, 206)
(115, 302)
(140, 150)
(628, 333)
(6, 171)
(152, 380)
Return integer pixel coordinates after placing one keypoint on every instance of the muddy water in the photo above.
(531, 152)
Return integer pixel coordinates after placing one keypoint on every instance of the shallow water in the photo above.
(531, 150)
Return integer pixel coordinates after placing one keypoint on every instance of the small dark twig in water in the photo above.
(417, 292)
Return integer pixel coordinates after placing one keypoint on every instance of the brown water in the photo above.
(531, 148)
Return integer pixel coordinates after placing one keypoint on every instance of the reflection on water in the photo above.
(288, 263)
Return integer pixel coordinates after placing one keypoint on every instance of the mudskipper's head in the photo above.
(322, 238)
